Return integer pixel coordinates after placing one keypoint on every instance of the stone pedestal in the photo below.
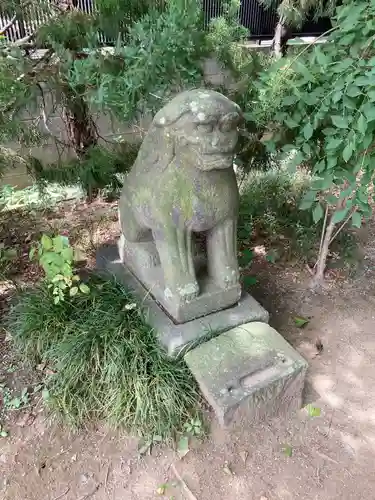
(211, 298)
(176, 336)
(249, 372)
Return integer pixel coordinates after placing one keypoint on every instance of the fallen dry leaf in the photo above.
(244, 455)
(227, 470)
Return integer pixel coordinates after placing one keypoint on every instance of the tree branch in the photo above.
(25, 41)
(9, 25)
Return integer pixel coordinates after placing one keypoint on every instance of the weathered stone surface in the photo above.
(183, 183)
(174, 337)
(250, 371)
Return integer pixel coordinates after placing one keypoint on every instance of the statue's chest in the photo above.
(214, 198)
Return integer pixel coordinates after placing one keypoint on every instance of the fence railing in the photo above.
(259, 21)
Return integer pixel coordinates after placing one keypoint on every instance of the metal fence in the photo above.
(259, 21)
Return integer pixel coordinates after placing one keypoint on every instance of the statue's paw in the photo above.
(188, 292)
(153, 260)
(230, 278)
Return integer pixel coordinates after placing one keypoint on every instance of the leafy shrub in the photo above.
(327, 118)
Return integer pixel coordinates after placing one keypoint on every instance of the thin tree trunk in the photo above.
(279, 44)
(322, 257)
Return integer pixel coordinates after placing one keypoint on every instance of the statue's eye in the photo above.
(229, 122)
(205, 128)
(226, 126)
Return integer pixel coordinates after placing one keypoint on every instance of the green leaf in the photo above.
(46, 242)
(353, 91)
(300, 322)
(336, 96)
(249, 281)
(340, 121)
(363, 81)
(160, 490)
(289, 100)
(348, 151)
(333, 143)
(340, 215)
(318, 213)
(67, 254)
(307, 200)
(4, 434)
(65, 240)
(362, 124)
(356, 219)
(246, 257)
(312, 410)
(308, 131)
(183, 446)
(287, 449)
(84, 288)
(290, 123)
(369, 111)
(349, 103)
(45, 394)
(321, 57)
(73, 291)
(15, 403)
(58, 244)
(32, 253)
(331, 199)
(322, 183)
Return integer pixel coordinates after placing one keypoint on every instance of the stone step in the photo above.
(249, 372)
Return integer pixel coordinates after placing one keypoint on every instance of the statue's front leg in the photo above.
(222, 254)
(174, 246)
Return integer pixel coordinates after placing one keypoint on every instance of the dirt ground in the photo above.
(332, 455)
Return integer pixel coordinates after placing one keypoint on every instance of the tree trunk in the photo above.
(321, 264)
(279, 44)
(81, 129)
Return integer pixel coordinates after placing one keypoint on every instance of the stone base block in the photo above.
(175, 336)
(249, 371)
(142, 260)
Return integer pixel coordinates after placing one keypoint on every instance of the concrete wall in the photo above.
(109, 130)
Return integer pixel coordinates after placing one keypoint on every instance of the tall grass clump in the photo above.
(107, 363)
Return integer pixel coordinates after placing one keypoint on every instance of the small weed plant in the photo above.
(106, 361)
(56, 257)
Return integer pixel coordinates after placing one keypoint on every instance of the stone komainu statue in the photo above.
(183, 182)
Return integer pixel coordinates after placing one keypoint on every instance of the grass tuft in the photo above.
(108, 364)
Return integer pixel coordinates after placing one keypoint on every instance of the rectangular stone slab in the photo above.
(210, 299)
(175, 337)
(250, 371)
